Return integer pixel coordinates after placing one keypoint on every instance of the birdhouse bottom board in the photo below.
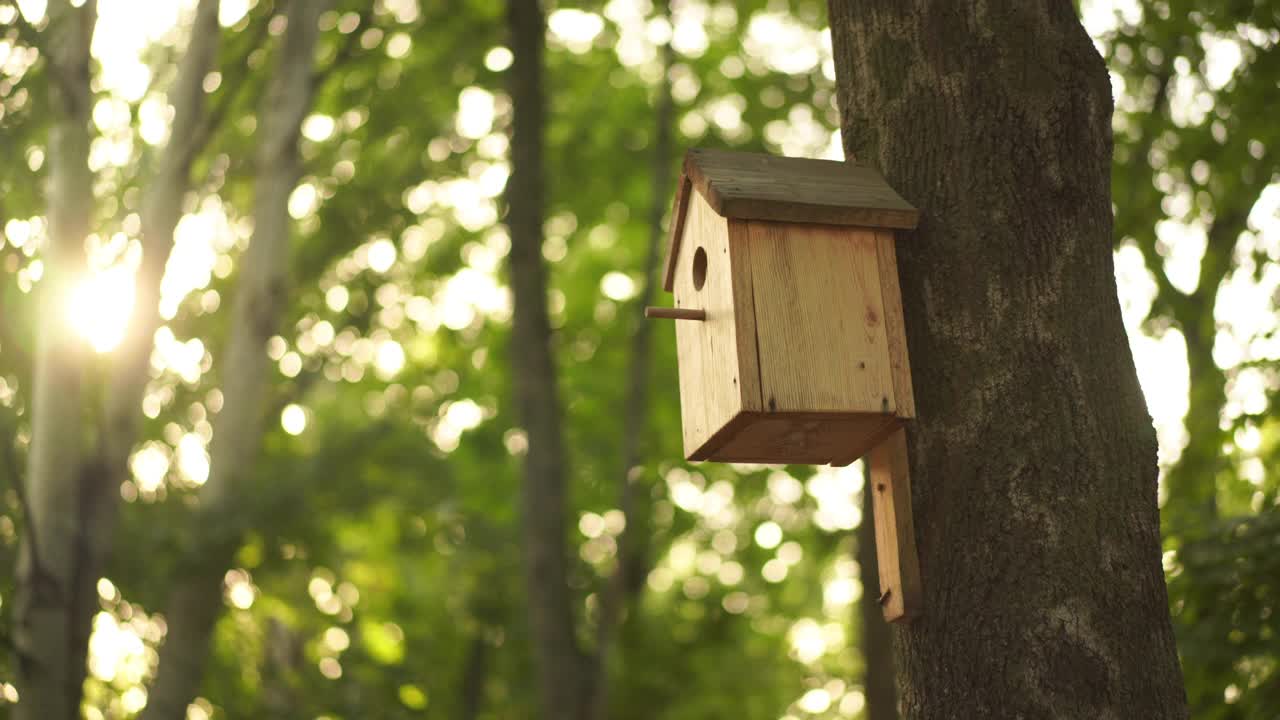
(801, 357)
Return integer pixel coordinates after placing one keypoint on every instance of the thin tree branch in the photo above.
(1168, 297)
(127, 377)
(11, 465)
(13, 350)
(29, 35)
(14, 470)
(212, 120)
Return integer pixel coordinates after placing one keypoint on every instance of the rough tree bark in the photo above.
(196, 600)
(1033, 459)
(628, 576)
(544, 497)
(48, 672)
(877, 635)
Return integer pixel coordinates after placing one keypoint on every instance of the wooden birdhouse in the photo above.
(791, 345)
(790, 334)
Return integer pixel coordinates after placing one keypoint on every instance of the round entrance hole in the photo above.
(699, 268)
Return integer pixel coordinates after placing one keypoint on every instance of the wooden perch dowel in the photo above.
(675, 313)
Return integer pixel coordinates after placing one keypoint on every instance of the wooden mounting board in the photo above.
(900, 588)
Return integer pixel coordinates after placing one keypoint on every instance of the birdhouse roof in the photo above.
(753, 186)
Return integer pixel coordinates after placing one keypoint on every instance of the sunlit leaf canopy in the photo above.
(381, 554)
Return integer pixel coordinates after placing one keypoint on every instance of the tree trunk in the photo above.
(281, 658)
(196, 601)
(544, 497)
(877, 635)
(627, 578)
(161, 209)
(49, 672)
(1191, 485)
(1033, 458)
(475, 673)
(105, 469)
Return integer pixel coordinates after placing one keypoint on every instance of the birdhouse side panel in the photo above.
(718, 377)
(895, 326)
(820, 319)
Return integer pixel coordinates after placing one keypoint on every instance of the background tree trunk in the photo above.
(475, 673)
(877, 635)
(544, 497)
(50, 673)
(281, 659)
(628, 575)
(106, 468)
(162, 207)
(196, 601)
(1033, 459)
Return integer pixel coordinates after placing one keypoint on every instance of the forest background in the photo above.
(360, 553)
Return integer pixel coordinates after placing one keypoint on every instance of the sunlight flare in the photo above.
(99, 307)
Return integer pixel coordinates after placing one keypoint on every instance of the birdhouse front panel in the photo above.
(791, 342)
(819, 318)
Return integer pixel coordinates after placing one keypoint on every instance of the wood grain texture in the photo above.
(900, 588)
(895, 326)
(711, 449)
(767, 187)
(857, 447)
(799, 438)
(679, 210)
(746, 332)
(819, 318)
(713, 386)
(875, 636)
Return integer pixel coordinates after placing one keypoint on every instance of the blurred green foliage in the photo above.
(380, 577)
